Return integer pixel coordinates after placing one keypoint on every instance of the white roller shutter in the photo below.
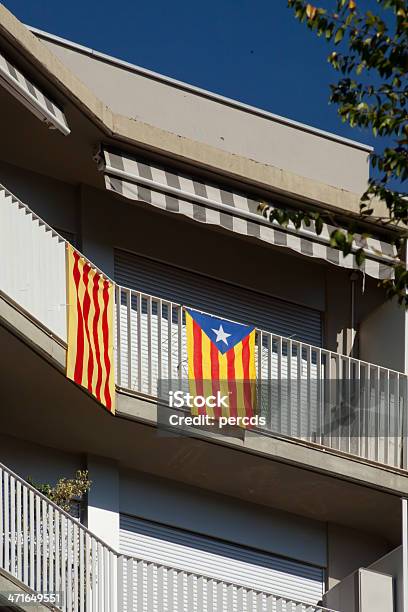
(217, 297)
(217, 559)
(222, 299)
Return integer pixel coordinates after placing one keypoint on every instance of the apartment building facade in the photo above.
(158, 185)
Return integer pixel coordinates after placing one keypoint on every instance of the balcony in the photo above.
(51, 553)
(305, 392)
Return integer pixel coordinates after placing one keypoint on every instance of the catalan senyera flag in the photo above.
(90, 299)
(221, 357)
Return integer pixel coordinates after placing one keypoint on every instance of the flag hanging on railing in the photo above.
(90, 298)
(221, 359)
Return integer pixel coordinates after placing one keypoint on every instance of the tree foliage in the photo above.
(370, 52)
(66, 491)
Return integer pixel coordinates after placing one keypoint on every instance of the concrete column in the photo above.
(383, 336)
(103, 500)
(97, 221)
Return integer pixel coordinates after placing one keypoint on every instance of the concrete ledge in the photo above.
(288, 451)
(10, 584)
(22, 325)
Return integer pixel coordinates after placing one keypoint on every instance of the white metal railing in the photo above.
(176, 590)
(304, 391)
(36, 280)
(52, 553)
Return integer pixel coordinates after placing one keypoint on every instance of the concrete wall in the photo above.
(384, 336)
(345, 330)
(206, 119)
(42, 464)
(392, 564)
(363, 591)
(349, 549)
(54, 201)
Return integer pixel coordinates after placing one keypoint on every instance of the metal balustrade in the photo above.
(151, 587)
(304, 391)
(33, 264)
(51, 552)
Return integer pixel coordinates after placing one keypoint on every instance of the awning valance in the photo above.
(31, 96)
(207, 203)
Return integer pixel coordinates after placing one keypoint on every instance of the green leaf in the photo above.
(360, 257)
(318, 225)
(339, 36)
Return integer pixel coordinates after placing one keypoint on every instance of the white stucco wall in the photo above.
(103, 500)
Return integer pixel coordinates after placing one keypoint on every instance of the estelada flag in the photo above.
(90, 298)
(221, 357)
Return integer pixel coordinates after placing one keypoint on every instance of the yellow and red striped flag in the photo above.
(221, 359)
(90, 298)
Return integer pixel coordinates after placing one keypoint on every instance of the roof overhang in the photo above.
(187, 154)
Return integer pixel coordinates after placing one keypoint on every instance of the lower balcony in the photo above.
(66, 567)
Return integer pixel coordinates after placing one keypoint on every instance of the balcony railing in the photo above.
(52, 553)
(304, 392)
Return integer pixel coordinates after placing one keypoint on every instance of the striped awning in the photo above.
(141, 180)
(31, 96)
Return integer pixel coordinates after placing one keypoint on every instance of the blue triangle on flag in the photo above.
(223, 333)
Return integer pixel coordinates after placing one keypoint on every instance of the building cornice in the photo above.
(109, 59)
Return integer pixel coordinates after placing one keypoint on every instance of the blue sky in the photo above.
(251, 50)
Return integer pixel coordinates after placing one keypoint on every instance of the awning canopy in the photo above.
(31, 96)
(207, 203)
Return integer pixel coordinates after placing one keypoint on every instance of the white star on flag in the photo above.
(221, 335)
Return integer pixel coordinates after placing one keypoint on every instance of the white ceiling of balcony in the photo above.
(212, 204)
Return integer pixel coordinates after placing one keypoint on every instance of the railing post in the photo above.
(2, 534)
(403, 407)
(404, 555)
(139, 343)
(82, 565)
(118, 338)
(113, 583)
(129, 584)
(120, 582)
(129, 337)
